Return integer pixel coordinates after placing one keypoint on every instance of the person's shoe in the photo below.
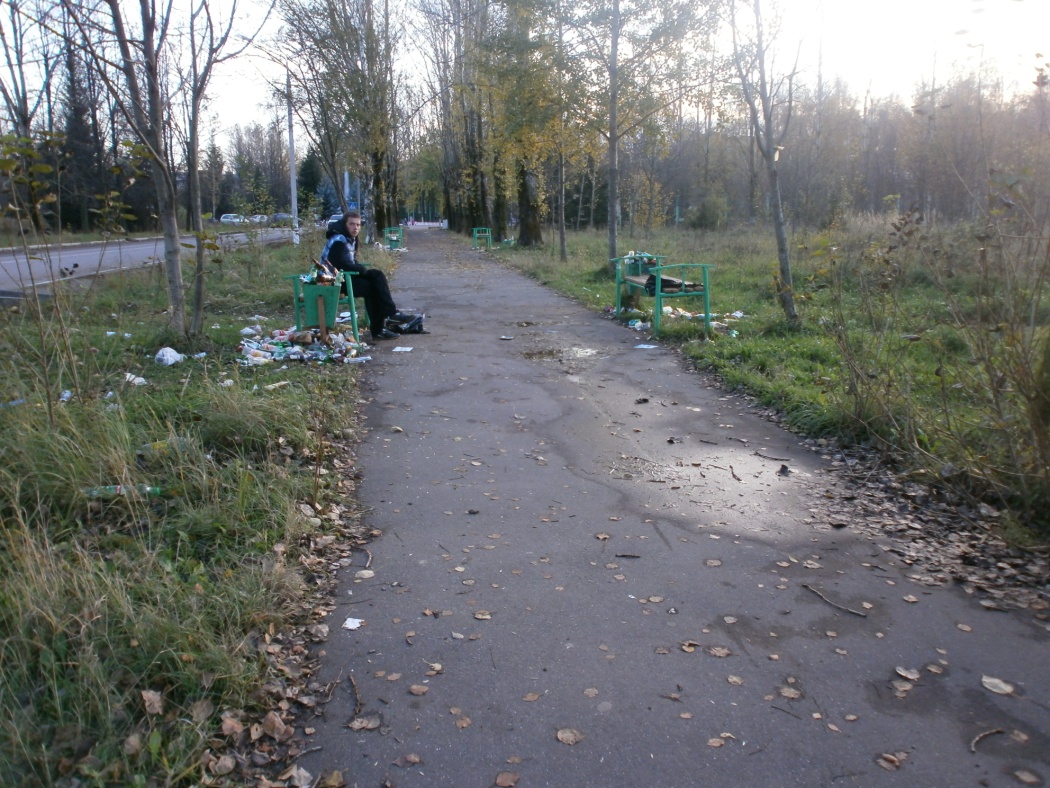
(385, 333)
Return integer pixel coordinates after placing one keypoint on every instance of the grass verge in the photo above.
(134, 627)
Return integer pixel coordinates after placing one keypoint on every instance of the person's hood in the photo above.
(335, 228)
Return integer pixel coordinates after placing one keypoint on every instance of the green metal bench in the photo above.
(648, 275)
(482, 234)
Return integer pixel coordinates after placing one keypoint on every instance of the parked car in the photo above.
(281, 220)
(231, 218)
(259, 218)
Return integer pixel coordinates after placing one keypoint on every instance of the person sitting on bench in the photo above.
(369, 283)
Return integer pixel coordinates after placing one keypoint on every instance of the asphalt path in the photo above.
(597, 568)
(42, 266)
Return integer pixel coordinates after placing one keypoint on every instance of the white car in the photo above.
(259, 218)
(231, 218)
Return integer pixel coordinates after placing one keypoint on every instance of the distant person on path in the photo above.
(369, 283)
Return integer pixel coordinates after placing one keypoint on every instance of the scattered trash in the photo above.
(400, 349)
(122, 490)
(227, 383)
(66, 396)
(200, 355)
(12, 403)
(291, 345)
(277, 385)
(506, 337)
(353, 623)
(645, 347)
(164, 447)
(168, 356)
(134, 380)
(251, 331)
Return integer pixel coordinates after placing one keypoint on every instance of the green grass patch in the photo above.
(171, 588)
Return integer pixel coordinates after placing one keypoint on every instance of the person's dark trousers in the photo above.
(371, 285)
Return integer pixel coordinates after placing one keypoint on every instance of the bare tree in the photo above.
(770, 101)
(136, 83)
(208, 40)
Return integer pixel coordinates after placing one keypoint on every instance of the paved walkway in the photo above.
(594, 573)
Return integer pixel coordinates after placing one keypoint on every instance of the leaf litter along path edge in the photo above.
(549, 448)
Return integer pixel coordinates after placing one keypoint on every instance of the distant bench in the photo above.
(647, 275)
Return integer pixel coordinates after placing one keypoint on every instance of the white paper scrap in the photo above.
(353, 623)
(644, 347)
(402, 350)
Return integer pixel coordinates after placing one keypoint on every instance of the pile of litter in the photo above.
(288, 344)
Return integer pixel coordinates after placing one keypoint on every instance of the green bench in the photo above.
(482, 235)
(648, 275)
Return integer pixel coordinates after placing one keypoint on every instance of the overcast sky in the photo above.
(885, 46)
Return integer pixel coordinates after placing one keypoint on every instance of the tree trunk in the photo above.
(530, 230)
(785, 289)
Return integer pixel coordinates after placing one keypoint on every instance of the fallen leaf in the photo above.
(364, 574)
(601, 537)
(482, 615)
(715, 742)
(1026, 777)
(729, 619)
(718, 651)
(790, 692)
(408, 760)
(591, 692)
(274, 726)
(851, 718)
(231, 726)
(736, 681)
(908, 673)
(507, 779)
(366, 723)
(713, 562)
(911, 598)
(998, 686)
(531, 697)
(153, 702)
(223, 765)
(569, 736)
(689, 646)
(463, 722)
(202, 709)
(1019, 736)
(964, 627)
(418, 689)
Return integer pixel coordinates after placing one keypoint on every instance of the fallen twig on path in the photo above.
(860, 613)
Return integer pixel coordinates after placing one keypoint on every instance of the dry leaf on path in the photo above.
(908, 673)
(366, 723)
(418, 689)
(482, 615)
(531, 697)
(998, 686)
(569, 736)
(507, 779)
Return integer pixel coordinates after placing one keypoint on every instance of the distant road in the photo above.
(42, 266)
